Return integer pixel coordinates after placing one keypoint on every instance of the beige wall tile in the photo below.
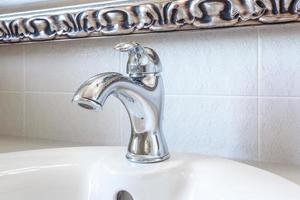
(219, 62)
(12, 114)
(280, 60)
(280, 130)
(12, 68)
(219, 126)
(53, 116)
(64, 66)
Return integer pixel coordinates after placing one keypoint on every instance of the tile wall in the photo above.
(233, 93)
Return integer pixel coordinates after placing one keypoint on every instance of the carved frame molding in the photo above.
(144, 16)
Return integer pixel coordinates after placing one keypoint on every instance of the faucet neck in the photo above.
(144, 104)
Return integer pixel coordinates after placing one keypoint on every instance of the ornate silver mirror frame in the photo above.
(38, 20)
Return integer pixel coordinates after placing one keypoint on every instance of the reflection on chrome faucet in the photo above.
(142, 94)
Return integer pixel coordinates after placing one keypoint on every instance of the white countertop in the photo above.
(11, 144)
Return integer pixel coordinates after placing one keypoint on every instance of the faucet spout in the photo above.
(143, 99)
(93, 93)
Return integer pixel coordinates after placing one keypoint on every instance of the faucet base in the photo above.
(146, 158)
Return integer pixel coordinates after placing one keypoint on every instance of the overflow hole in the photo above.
(124, 195)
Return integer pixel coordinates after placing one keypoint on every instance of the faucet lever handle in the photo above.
(130, 47)
(141, 61)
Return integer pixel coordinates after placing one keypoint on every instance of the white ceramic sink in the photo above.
(99, 173)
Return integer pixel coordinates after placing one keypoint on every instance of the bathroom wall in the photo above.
(230, 92)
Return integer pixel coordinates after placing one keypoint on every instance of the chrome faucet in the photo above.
(142, 94)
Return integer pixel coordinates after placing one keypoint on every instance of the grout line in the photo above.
(210, 95)
(120, 126)
(168, 95)
(24, 88)
(233, 96)
(41, 92)
(278, 97)
(120, 112)
(11, 92)
(258, 95)
(24, 116)
(32, 92)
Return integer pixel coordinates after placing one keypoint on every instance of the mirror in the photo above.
(39, 20)
(13, 6)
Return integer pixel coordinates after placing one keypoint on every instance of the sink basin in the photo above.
(99, 173)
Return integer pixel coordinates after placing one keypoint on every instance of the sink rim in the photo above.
(109, 162)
